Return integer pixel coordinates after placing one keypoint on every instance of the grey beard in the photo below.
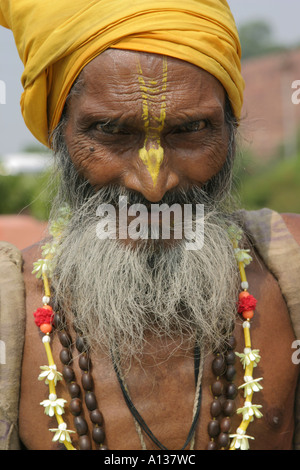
(119, 296)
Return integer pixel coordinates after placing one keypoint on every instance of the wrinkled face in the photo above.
(152, 128)
(146, 122)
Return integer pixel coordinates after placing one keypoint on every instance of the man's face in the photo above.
(153, 129)
(147, 123)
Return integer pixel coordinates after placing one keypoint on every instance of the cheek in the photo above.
(93, 163)
(199, 162)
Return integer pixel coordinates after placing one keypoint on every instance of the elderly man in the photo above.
(139, 340)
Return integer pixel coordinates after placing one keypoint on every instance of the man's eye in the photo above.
(110, 128)
(194, 126)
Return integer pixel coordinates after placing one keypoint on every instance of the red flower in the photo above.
(43, 315)
(246, 303)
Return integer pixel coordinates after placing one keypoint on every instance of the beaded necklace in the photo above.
(222, 407)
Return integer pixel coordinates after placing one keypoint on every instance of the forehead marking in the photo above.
(152, 153)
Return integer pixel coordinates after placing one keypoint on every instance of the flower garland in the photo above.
(44, 317)
(250, 357)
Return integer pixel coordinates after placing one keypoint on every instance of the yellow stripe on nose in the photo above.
(152, 159)
(153, 156)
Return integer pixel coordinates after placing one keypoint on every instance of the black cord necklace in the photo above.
(139, 418)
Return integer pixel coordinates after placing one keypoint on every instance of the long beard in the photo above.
(118, 295)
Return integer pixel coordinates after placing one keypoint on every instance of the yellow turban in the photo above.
(57, 38)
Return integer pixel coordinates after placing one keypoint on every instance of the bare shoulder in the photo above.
(31, 351)
(30, 255)
(33, 287)
(292, 222)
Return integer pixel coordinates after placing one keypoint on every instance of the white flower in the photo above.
(62, 434)
(242, 256)
(251, 385)
(240, 440)
(249, 411)
(41, 266)
(54, 404)
(249, 356)
(50, 373)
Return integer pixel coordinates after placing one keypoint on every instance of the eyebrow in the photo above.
(94, 117)
(130, 119)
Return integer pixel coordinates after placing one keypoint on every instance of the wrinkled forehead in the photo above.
(117, 76)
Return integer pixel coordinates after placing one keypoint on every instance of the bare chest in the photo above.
(165, 399)
(164, 395)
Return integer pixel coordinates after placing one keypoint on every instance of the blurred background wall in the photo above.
(267, 172)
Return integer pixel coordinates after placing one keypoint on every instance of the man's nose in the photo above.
(140, 179)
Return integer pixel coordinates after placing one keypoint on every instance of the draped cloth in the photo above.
(57, 38)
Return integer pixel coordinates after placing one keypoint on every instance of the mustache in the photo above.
(83, 195)
(193, 196)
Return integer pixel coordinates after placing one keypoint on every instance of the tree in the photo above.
(257, 39)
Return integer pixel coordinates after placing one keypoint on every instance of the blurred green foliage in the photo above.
(257, 39)
(26, 194)
(275, 184)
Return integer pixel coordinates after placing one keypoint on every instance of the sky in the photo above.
(282, 15)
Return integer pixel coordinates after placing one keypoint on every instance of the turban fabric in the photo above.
(57, 38)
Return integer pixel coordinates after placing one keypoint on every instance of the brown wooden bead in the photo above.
(230, 357)
(223, 440)
(75, 406)
(231, 391)
(213, 428)
(229, 408)
(81, 425)
(212, 445)
(68, 374)
(80, 344)
(218, 366)
(85, 443)
(96, 417)
(230, 373)
(84, 362)
(225, 424)
(217, 388)
(98, 434)
(74, 390)
(87, 381)
(222, 399)
(231, 343)
(215, 408)
(65, 339)
(58, 321)
(91, 401)
(65, 356)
